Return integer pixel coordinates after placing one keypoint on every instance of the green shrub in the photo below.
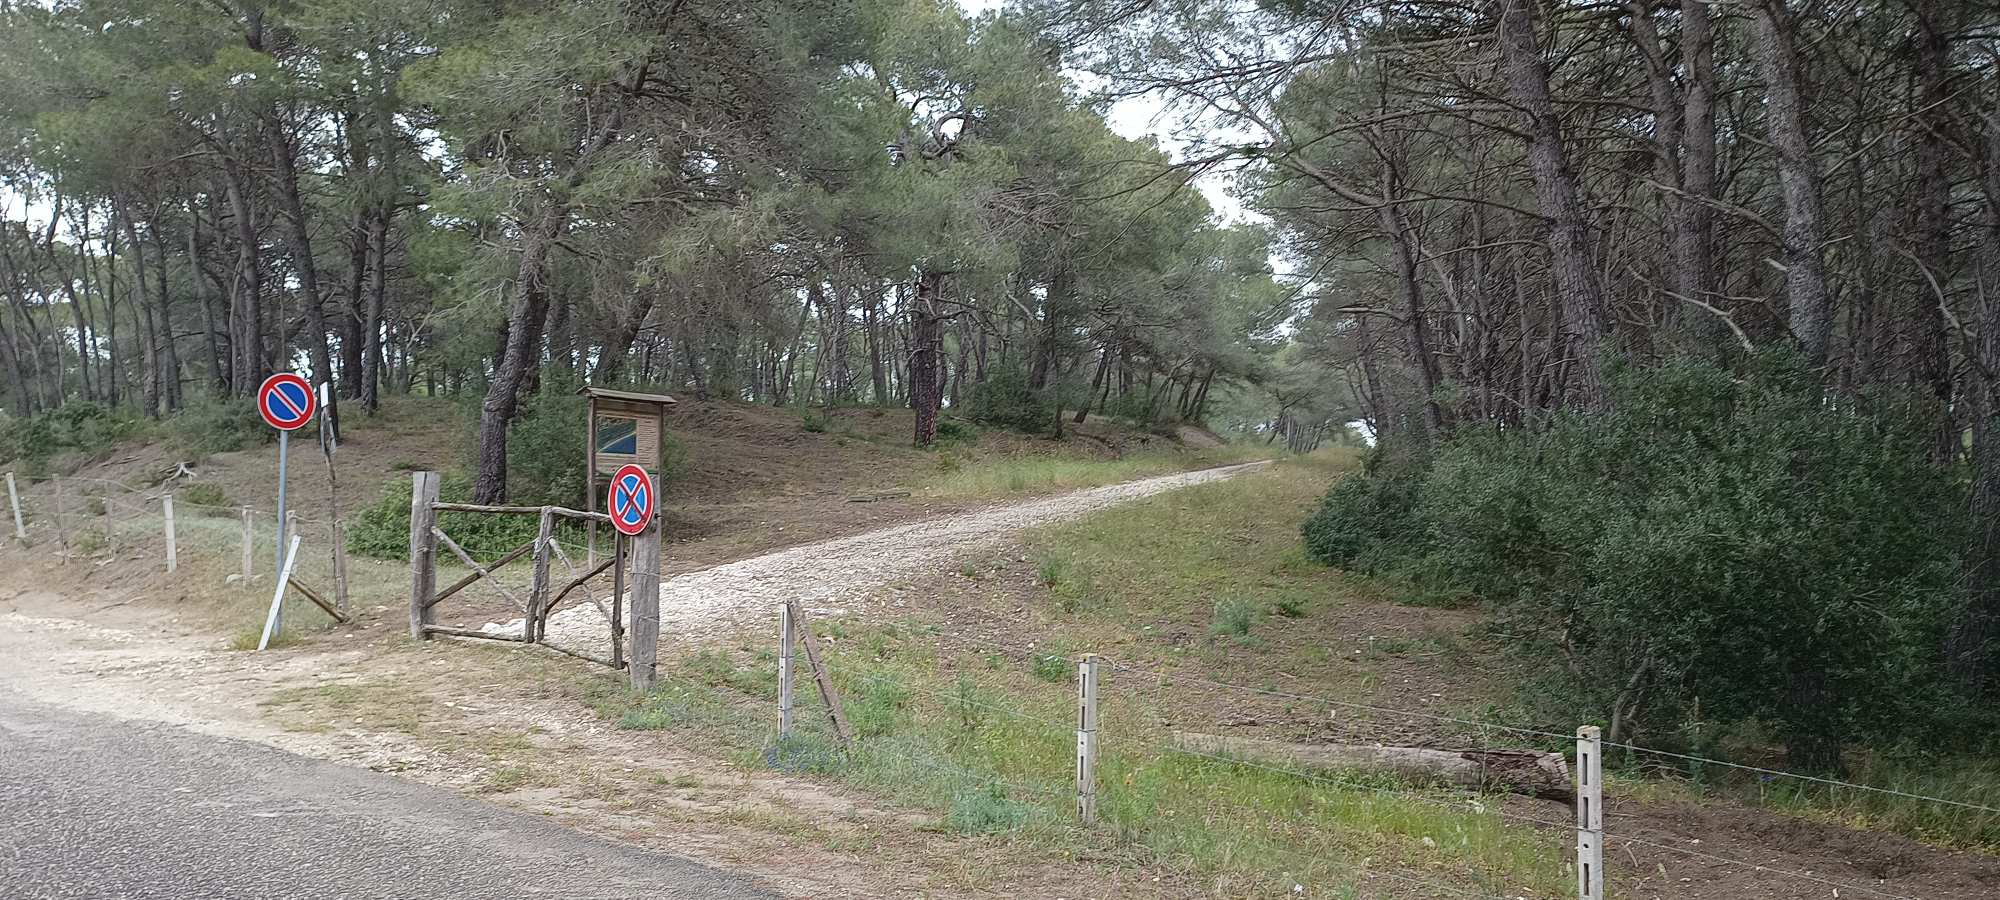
(1290, 607)
(1366, 523)
(204, 499)
(382, 529)
(77, 427)
(1714, 547)
(1233, 618)
(217, 425)
(1054, 668)
(546, 449)
(875, 707)
(985, 810)
(1005, 400)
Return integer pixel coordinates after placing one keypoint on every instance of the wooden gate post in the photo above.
(423, 551)
(538, 590)
(1589, 813)
(14, 497)
(167, 512)
(645, 631)
(339, 566)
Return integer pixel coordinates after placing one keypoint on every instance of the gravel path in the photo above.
(829, 575)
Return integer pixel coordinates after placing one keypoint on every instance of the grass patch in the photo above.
(988, 750)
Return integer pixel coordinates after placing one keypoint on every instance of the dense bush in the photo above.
(1728, 549)
(218, 426)
(81, 427)
(1005, 400)
(382, 530)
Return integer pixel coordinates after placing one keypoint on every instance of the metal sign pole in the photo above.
(284, 449)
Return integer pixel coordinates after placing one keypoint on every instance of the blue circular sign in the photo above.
(286, 401)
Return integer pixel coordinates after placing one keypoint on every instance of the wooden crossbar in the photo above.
(478, 572)
(317, 600)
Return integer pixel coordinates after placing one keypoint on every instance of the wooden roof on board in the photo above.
(627, 396)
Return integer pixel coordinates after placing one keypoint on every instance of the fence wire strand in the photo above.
(1788, 873)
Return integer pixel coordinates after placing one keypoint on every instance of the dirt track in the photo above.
(829, 576)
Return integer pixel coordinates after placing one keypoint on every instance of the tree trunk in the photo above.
(520, 352)
(1811, 307)
(1571, 249)
(247, 291)
(375, 305)
(926, 356)
(298, 241)
(1972, 649)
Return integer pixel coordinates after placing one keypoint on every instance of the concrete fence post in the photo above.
(786, 640)
(249, 543)
(1589, 813)
(1086, 738)
(173, 551)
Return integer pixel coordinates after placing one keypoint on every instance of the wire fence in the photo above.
(84, 518)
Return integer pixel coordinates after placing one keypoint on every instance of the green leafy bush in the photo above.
(202, 498)
(81, 427)
(546, 448)
(1233, 618)
(382, 529)
(1005, 400)
(217, 426)
(1367, 523)
(1714, 547)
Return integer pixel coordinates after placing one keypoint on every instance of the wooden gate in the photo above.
(545, 592)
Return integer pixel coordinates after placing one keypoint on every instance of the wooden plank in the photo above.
(576, 582)
(318, 600)
(467, 581)
(827, 692)
(617, 598)
(579, 654)
(473, 633)
(249, 543)
(645, 641)
(524, 510)
(474, 565)
(423, 552)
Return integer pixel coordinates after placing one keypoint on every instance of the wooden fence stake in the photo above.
(167, 512)
(1086, 738)
(645, 649)
(538, 589)
(62, 540)
(278, 594)
(14, 497)
(249, 543)
(1589, 813)
(786, 640)
(423, 551)
(340, 566)
(821, 676)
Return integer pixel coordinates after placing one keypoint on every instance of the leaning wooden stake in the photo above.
(423, 551)
(821, 677)
(14, 497)
(167, 513)
(786, 640)
(1086, 738)
(278, 594)
(645, 644)
(1589, 813)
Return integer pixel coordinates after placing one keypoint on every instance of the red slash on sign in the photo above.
(631, 499)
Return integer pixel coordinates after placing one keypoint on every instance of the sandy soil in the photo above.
(829, 577)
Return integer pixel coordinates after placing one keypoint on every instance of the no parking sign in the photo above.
(631, 500)
(286, 401)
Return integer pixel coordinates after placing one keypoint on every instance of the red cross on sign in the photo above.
(631, 503)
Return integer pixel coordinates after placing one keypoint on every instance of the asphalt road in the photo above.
(105, 808)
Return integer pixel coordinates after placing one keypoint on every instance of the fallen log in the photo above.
(1531, 772)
